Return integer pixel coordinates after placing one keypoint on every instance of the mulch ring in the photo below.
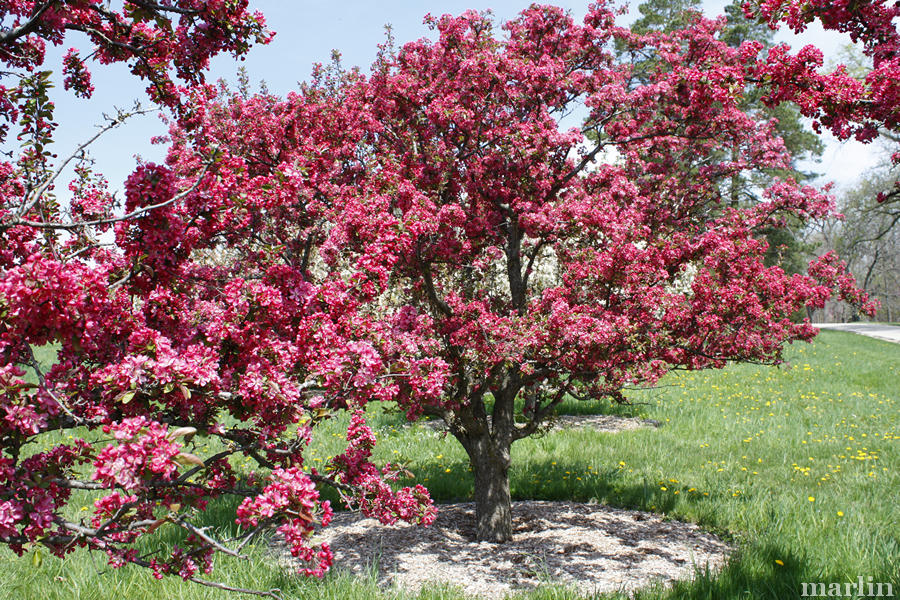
(589, 547)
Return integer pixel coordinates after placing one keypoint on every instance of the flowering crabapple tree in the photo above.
(428, 234)
(502, 261)
(158, 341)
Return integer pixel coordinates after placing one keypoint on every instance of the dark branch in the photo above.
(26, 28)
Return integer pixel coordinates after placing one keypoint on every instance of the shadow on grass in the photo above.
(739, 579)
(602, 406)
(547, 480)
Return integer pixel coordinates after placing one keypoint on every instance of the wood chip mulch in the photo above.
(590, 547)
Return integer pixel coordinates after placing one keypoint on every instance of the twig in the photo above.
(335, 484)
(40, 375)
(248, 537)
(199, 532)
(162, 8)
(137, 213)
(27, 205)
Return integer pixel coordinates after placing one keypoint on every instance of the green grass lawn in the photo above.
(798, 467)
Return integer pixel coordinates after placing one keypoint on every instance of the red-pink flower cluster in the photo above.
(33, 494)
(183, 562)
(292, 493)
(376, 498)
(77, 77)
(162, 43)
(144, 452)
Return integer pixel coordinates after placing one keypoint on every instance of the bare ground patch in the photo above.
(608, 423)
(591, 547)
(605, 423)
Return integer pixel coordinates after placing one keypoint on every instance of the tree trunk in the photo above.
(493, 513)
(487, 440)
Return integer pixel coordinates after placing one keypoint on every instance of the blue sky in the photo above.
(306, 32)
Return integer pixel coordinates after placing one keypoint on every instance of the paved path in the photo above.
(891, 333)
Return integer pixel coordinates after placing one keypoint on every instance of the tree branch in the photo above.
(331, 482)
(161, 8)
(438, 302)
(40, 375)
(539, 416)
(26, 28)
(200, 532)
